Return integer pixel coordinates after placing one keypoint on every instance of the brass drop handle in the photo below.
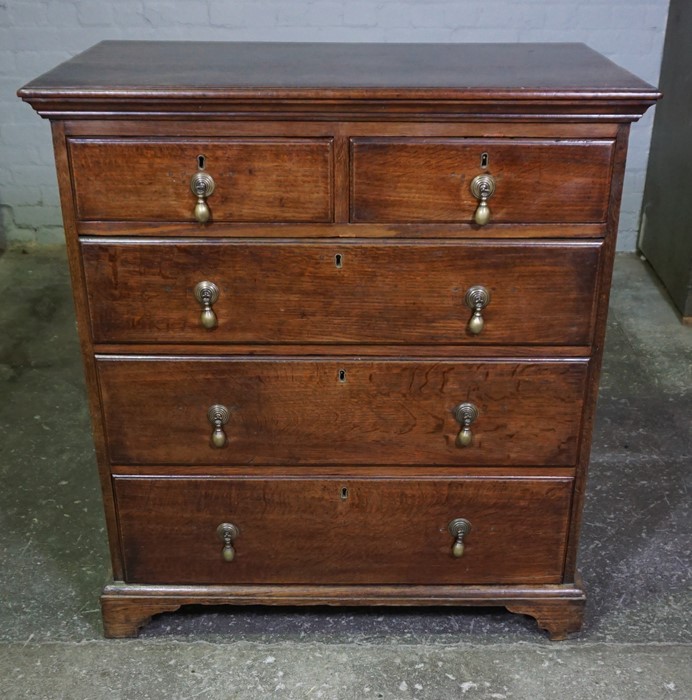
(207, 293)
(218, 416)
(458, 529)
(227, 532)
(202, 186)
(482, 188)
(465, 414)
(476, 298)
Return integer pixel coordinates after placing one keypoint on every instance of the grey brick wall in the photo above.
(36, 34)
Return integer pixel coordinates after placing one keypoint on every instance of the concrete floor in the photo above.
(634, 555)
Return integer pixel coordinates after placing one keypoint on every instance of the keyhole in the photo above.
(339, 261)
(201, 162)
(342, 375)
(343, 494)
(484, 160)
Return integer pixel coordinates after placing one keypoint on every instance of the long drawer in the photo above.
(351, 531)
(341, 411)
(255, 179)
(429, 179)
(330, 293)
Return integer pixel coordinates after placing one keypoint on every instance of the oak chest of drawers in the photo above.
(342, 311)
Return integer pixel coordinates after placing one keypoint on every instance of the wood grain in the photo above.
(110, 127)
(312, 350)
(591, 396)
(306, 531)
(293, 411)
(310, 144)
(256, 179)
(85, 341)
(402, 230)
(428, 180)
(559, 618)
(127, 606)
(198, 80)
(287, 292)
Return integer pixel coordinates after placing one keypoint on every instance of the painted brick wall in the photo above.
(36, 34)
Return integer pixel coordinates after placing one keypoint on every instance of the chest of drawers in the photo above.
(342, 311)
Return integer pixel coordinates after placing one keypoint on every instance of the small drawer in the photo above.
(254, 179)
(354, 531)
(429, 180)
(337, 293)
(341, 411)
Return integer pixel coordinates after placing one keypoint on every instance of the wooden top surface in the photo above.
(130, 69)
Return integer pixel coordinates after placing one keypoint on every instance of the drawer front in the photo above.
(256, 180)
(326, 293)
(295, 411)
(343, 531)
(428, 180)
